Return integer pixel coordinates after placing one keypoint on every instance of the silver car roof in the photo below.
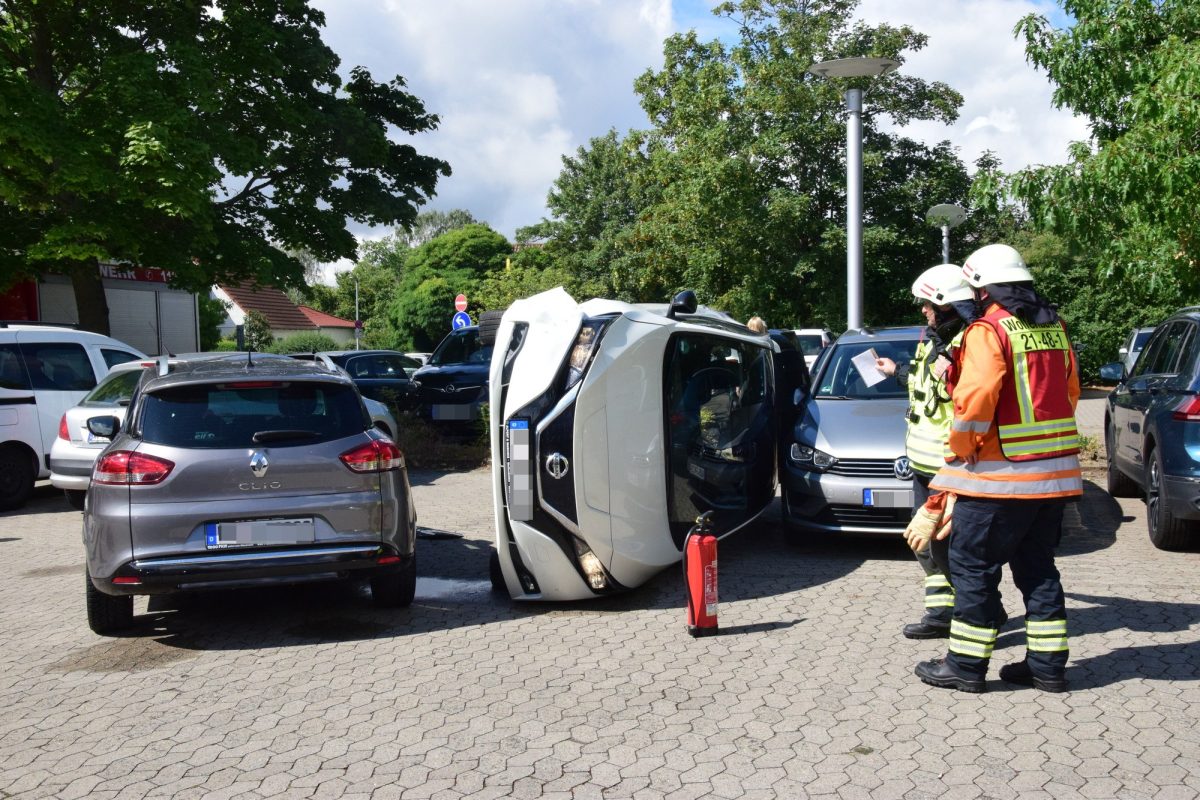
(244, 366)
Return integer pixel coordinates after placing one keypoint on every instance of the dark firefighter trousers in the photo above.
(935, 562)
(986, 534)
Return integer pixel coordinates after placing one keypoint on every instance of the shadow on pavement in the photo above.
(45, 500)
(1091, 524)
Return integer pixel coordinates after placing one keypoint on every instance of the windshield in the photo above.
(840, 378)
(810, 343)
(461, 347)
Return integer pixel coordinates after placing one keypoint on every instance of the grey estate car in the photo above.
(243, 473)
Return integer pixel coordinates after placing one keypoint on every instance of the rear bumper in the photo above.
(71, 473)
(251, 567)
(1182, 496)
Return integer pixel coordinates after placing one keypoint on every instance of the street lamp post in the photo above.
(945, 216)
(357, 319)
(854, 68)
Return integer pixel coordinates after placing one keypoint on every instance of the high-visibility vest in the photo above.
(1034, 415)
(930, 411)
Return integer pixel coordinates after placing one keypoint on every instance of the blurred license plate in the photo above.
(888, 498)
(259, 532)
(449, 411)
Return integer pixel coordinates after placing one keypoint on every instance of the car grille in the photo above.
(866, 517)
(864, 467)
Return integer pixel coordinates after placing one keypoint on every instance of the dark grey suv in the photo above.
(1152, 430)
(232, 474)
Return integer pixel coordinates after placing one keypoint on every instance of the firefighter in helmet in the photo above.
(948, 304)
(1012, 464)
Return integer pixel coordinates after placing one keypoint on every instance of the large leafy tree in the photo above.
(206, 137)
(1132, 68)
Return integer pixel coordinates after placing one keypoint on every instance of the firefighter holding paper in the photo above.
(1012, 464)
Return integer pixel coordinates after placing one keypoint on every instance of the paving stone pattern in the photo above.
(809, 692)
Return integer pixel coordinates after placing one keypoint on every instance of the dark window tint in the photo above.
(114, 390)
(113, 357)
(224, 416)
(810, 343)
(840, 378)
(12, 368)
(379, 366)
(1163, 351)
(721, 447)
(59, 366)
(461, 347)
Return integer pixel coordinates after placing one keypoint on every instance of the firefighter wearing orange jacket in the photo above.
(1012, 461)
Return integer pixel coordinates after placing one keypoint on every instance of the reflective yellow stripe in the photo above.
(1047, 645)
(938, 581)
(964, 647)
(1046, 627)
(958, 628)
(1043, 445)
(939, 601)
(1046, 426)
(1021, 383)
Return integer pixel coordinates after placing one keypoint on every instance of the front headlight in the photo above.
(811, 457)
(582, 350)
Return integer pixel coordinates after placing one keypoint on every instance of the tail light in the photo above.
(377, 455)
(126, 468)
(1188, 410)
(63, 433)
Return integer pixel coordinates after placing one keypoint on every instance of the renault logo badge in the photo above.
(557, 465)
(259, 463)
(903, 469)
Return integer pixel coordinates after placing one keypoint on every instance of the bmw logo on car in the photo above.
(903, 469)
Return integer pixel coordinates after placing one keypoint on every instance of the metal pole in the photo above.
(945, 244)
(356, 317)
(854, 175)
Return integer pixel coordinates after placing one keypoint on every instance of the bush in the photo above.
(226, 346)
(424, 447)
(304, 343)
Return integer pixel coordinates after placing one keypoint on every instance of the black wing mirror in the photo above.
(106, 427)
(683, 303)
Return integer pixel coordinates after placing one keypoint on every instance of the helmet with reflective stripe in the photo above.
(995, 263)
(942, 285)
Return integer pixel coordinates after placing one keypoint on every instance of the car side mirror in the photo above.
(683, 303)
(1114, 372)
(106, 427)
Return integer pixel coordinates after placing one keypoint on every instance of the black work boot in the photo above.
(1020, 674)
(925, 629)
(938, 672)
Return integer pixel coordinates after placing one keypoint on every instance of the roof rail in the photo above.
(4, 323)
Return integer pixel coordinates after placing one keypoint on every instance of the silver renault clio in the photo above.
(242, 473)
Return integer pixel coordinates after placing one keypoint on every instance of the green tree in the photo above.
(431, 224)
(256, 332)
(1132, 68)
(211, 312)
(208, 139)
(312, 342)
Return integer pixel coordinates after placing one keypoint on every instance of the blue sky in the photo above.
(520, 83)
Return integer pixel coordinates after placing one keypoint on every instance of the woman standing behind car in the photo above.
(949, 306)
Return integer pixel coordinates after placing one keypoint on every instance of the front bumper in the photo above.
(833, 503)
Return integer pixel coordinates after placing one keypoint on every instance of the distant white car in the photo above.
(422, 357)
(1133, 347)
(74, 451)
(812, 341)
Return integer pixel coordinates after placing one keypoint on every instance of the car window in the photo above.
(1162, 353)
(839, 377)
(461, 347)
(115, 388)
(379, 366)
(1188, 351)
(227, 416)
(113, 357)
(12, 368)
(58, 366)
(810, 343)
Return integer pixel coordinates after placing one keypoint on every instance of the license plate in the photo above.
(259, 533)
(518, 476)
(447, 412)
(888, 498)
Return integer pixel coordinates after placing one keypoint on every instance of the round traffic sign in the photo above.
(460, 320)
(460, 302)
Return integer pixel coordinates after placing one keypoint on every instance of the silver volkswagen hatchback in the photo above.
(231, 474)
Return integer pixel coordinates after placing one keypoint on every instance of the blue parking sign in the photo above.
(460, 320)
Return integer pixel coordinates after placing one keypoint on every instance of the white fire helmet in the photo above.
(995, 263)
(942, 285)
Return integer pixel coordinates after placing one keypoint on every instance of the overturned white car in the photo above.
(612, 427)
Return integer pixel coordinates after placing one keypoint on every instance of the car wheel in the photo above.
(396, 589)
(1118, 483)
(496, 574)
(489, 321)
(16, 478)
(106, 613)
(1167, 531)
(75, 498)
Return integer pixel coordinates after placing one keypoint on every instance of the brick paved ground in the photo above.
(313, 693)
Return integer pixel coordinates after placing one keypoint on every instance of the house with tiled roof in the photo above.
(336, 328)
(281, 313)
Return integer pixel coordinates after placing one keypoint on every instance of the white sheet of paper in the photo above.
(864, 362)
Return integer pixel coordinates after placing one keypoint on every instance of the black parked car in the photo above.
(453, 386)
(1152, 430)
(383, 375)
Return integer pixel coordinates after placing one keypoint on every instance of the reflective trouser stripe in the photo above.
(1046, 636)
(969, 640)
(938, 592)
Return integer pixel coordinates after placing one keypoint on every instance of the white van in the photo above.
(44, 370)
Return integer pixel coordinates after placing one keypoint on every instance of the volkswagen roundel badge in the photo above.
(903, 468)
(259, 463)
(557, 465)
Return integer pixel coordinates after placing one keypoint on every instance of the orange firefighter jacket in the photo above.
(987, 375)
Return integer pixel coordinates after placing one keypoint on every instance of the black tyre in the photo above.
(1118, 483)
(496, 574)
(106, 613)
(1167, 531)
(489, 321)
(396, 589)
(16, 477)
(75, 498)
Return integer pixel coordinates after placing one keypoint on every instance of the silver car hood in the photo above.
(854, 428)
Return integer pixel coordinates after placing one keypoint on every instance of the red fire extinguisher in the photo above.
(700, 577)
